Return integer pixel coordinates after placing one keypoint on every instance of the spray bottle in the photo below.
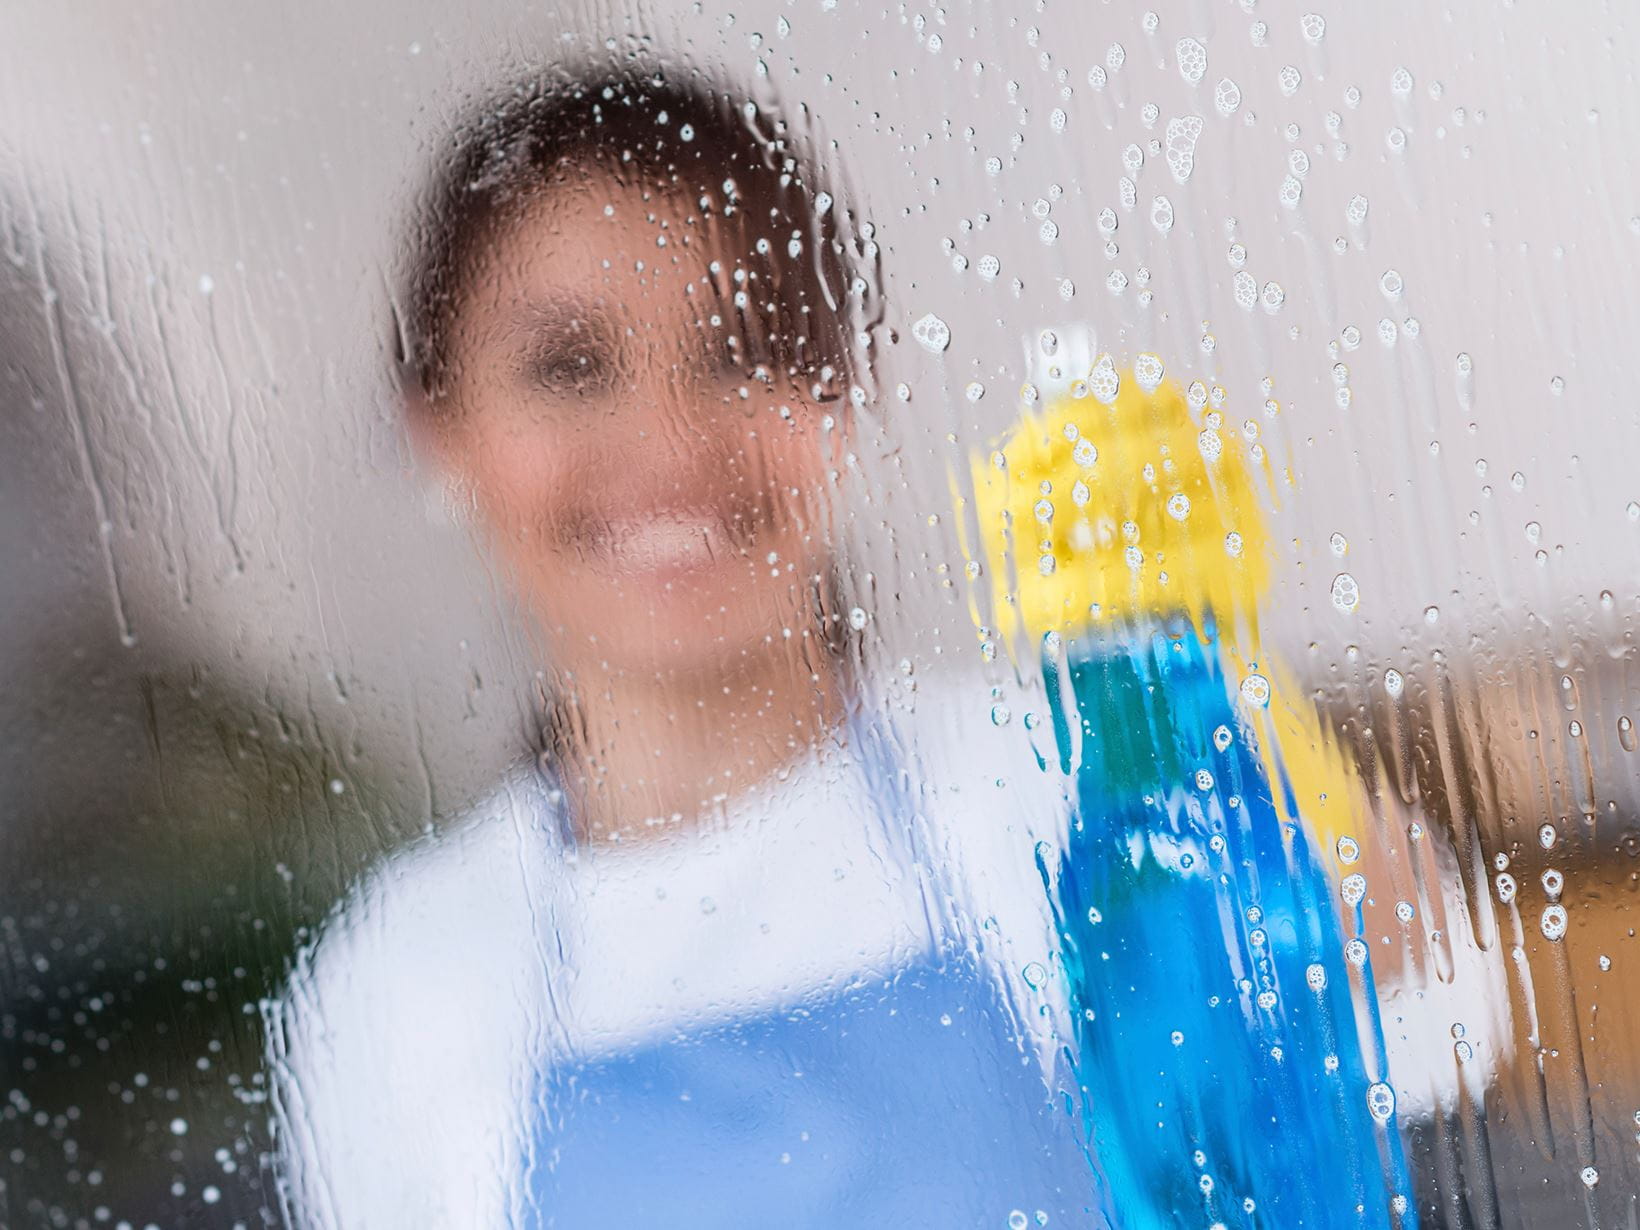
(1227, 1058)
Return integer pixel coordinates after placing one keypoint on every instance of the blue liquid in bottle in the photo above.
(1221, 1066)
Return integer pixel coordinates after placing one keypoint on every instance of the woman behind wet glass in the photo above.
(672, 976)
(625, 347)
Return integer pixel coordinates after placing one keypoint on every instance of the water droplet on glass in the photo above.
(1104, 381)
(1192, 59)
(1161, 214)
(1346, 594)
(1354, 888)
(932, 333)
(1182, 135)
(1554, 922)
(1381, 1101)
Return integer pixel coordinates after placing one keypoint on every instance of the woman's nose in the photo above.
(656, 424)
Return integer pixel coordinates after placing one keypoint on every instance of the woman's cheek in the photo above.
(515, 483)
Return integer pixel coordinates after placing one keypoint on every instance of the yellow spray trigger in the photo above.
(1129, 507)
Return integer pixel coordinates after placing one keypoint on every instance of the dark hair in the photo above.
(652, 131)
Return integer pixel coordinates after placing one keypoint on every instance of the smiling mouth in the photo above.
(665, 544)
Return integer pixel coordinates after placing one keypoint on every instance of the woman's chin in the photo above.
(700, 621)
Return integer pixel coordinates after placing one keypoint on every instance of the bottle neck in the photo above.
(1137, 705)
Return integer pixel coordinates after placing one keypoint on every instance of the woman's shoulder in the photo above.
(399, 1036)
(440, 895)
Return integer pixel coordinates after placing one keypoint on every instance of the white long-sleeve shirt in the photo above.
(407, 1046)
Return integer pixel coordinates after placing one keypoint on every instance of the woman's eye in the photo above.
(570, 372)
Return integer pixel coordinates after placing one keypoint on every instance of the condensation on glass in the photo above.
(973, 615)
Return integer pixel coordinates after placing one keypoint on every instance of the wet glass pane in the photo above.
(807, 614)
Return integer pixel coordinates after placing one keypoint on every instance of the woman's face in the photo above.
(657, 499)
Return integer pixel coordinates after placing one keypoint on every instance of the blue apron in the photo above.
(902, 1098)
(905, 1102)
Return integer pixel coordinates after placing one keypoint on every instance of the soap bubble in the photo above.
(1381, 1101)
(932, 333)
(1554, 922)
(1346, 594)
(1192, 59)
